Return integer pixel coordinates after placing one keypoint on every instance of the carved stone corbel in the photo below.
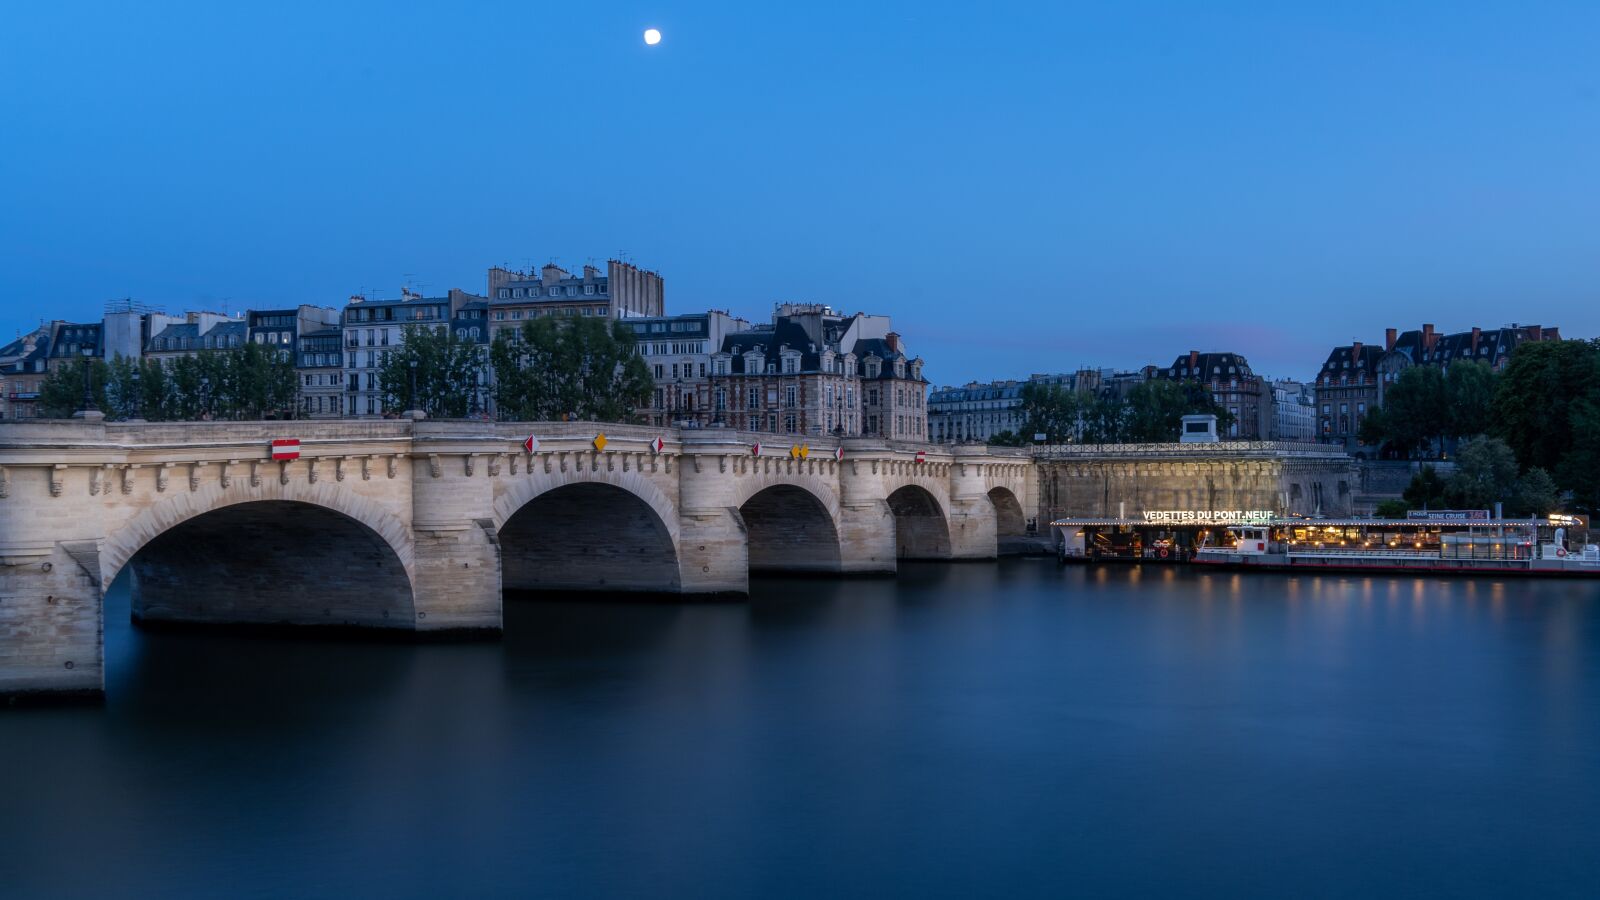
(594, 461)
(283, 471)
(874, 467)
(471, 460)
(94, 480)
(56, 480)
(515, 458)
(225, 478)
(5, 483)
(561, 461)
(394, 465)
(611, 462)
(311, 470)
(696, 459)
(435, 469)
(366, 468)
(255, 473)
(627, 461)
(494, 464)
(546, 458)
(194, 476)
(722, 463)
(338, 468)
(127, 479)
(666, 465)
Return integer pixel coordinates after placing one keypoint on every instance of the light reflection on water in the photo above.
(963, 730)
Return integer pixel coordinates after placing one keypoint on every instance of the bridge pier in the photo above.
(456, 577)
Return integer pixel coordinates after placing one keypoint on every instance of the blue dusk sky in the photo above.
(1024, 187)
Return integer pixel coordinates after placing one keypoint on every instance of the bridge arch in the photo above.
(264, 561)
(788, 528)
(590, 535)
(922, 528)
(1009, 519)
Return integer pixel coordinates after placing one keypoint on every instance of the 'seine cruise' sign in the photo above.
(1208, 516)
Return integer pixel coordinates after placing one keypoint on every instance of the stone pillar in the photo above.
(456, 581)
(866, 524)
(971, 513)
(51, 612)
(713, 553)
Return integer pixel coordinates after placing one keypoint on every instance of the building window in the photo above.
(789, 396)
(753, 399)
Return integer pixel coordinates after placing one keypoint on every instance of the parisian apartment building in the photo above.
(678, 350)
(1354, 377)
(814, 371)
(375, 328)
(622, 291)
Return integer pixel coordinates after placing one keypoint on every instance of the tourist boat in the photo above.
(1446, 542)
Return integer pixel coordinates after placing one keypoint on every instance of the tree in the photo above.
(1486, 473)
(1538, 401)
(1469, 393)
(1007, 438)
(1392, 509)
(446, 370)
(1415, 409)
(1579, 469)
(1426, 489)
(1104, 420)
(1051, 410)
(587, 369)
(61, 393)
(1536, 493)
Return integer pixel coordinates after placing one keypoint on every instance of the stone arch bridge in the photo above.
(419, 526)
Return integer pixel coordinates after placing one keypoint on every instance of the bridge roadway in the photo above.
(419, 526)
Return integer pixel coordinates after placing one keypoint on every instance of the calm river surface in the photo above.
(963, 731)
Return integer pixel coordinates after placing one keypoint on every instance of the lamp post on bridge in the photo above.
(87, 410)
(415, 412)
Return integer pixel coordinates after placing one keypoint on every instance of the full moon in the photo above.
(652, 36)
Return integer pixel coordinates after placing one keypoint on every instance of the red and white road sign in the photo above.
(531, 444)
(838, 454)
(657, 444)
(922, 456)
(755, 449)
(286, 448)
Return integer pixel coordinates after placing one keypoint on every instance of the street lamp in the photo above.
(88, 387)
(205, 397)
(133, 401)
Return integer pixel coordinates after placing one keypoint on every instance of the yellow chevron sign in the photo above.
(805, 450)
(599, 442)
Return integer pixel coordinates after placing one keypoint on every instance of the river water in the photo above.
(976, 730)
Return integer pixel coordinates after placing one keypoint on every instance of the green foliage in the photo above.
(1486, 473)
(576, 368)
(61, 393)
(250, 382)
(1415, 409)
(1392, 509)
(1052, 410)
(1547, 407)
(1152, 413)
(1156, 409)
(447, 374)
(1469, 394)
(1537, 494)
(1007, 438)
(1540, 399)
(1426, 490)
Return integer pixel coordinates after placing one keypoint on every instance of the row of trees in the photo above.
(1541, 416)
(1486, 473)
(249, 382)
(586, 369)
(1151, 413)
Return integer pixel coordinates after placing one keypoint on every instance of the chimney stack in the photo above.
(1194, 361)
(1355, 353)
(1388, 340)
(893, 341)
(1427, 338)
(1535, 332)
(1476, 334)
